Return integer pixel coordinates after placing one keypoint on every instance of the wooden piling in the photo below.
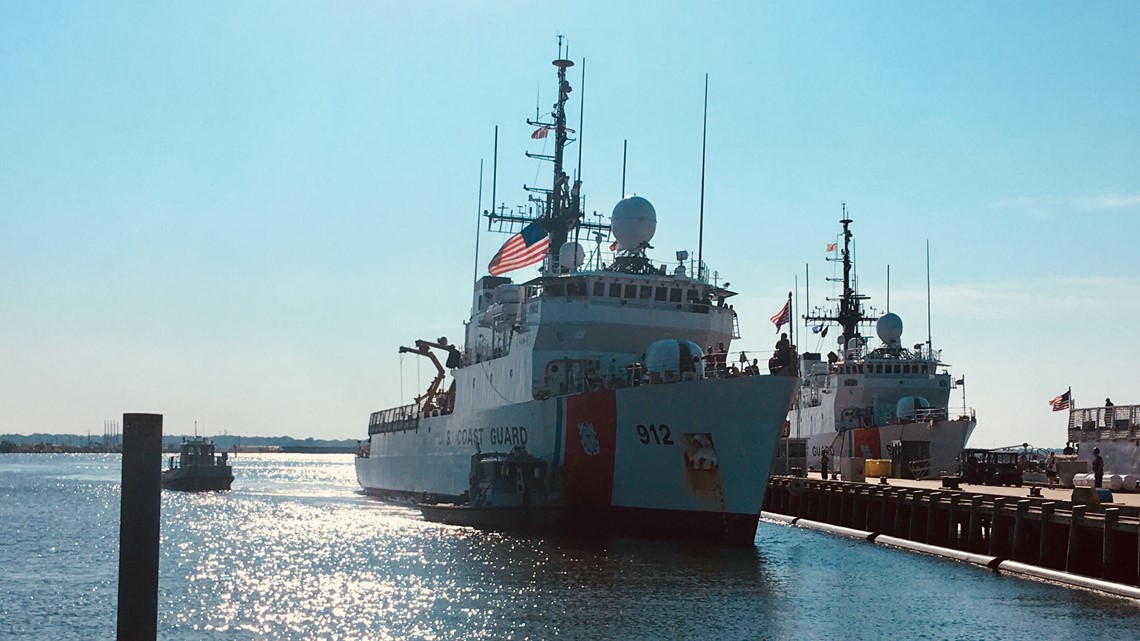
(139, 523)
(1109, 553)
(1073, 548)
(997, 527)
(932, 518)
(1018, 551)
(952, 528)
(1045, 539)
(974, 538)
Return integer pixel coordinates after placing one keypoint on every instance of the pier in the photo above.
(1049, 536)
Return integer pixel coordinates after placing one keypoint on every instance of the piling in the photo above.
(139, 522)
(1109, 555)
(1099, 541)
(1073, 549)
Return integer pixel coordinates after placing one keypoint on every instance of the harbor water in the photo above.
(294, 551)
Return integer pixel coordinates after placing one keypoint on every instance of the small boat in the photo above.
(511, 491)
(198, 468)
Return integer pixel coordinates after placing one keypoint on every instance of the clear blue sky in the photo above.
(237, 212)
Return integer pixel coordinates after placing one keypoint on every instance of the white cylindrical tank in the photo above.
(1131, 481)
(1113, 482)
(1082, 479)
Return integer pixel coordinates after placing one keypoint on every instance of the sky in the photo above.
(235, 213)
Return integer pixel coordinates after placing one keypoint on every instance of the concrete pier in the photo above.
(1099, 541)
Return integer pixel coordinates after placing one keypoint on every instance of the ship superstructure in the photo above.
(598, 368)
(887, 402)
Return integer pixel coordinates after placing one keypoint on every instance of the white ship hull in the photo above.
(688, 459)
(945, 438)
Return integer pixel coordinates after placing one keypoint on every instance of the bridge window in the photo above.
(879, 368)
(646, 292)
(850, 382)
(599, 289)
(906, 369)
(662, 294)
(631, 291)
(675, 295)
(615, 290)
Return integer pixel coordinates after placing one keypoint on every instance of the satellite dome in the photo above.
(668, 360)
(571, 255)
(889, 328)
(634, 222)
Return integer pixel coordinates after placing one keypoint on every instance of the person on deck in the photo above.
(1051, 469)
(824, 462)
(1098, 467)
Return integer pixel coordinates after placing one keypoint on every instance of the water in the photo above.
(293, 552)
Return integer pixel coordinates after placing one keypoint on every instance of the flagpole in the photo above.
(795, 326)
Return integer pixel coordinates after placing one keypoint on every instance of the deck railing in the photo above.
(395, 419)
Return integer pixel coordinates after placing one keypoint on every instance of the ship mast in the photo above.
(560, 206)
(850, 312)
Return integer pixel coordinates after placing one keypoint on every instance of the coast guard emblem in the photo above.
(590, 443)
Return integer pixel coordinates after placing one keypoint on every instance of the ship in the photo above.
(1112, 429)
(890, 402)
(198, 468)
(595, 367)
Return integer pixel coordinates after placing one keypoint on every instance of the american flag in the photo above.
(540, 133)
(1061, 402)
(783, 317)
(831, 247)
(524, 248)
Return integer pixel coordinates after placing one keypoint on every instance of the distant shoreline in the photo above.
(78, 444)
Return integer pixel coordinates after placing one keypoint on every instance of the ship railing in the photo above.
(394, 419)
(1123, 420)
(930, 414)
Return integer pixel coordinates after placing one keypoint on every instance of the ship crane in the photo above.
(433, 399)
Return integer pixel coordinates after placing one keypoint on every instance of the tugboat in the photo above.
(198, 468)
(887, 403)
(510, 491)
(596, 369)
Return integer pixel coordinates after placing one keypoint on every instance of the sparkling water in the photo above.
(296, 552)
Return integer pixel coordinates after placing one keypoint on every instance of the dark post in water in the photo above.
(139, 519)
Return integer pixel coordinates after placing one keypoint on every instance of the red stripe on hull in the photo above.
(591, 440)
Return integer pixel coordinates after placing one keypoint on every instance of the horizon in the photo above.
(236, 214)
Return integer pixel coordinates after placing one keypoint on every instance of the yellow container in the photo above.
(876, 467)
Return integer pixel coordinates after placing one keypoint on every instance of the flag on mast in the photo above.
(527, 247)
(831, 246)
(784, 316)
(1061, 402)
(540, 133)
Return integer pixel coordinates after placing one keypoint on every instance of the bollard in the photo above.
(1109, 556)
(1044, 540)
(1072, 550)
(139, 522)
